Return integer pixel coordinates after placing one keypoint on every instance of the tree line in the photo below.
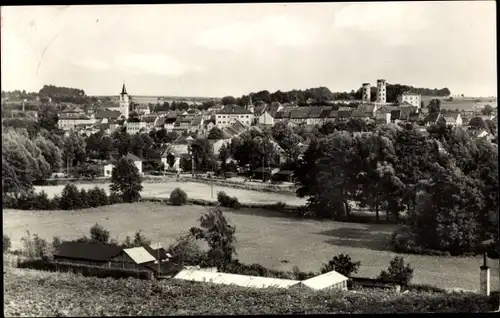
(439, 183)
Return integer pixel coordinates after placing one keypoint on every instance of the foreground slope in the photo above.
(35, 293)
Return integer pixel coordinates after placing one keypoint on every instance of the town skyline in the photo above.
(237, 49)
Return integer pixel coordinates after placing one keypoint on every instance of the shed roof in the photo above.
(88, 251)
(132, 157)
(234, 279)
(315, 112)
(301, 112)
(139, 255)
(325, 280)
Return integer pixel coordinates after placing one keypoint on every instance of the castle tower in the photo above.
(381, 91)
(366, 89)
(124, 102)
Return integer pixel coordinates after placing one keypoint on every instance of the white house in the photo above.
(226, 116)
(133, 126)
(217, 144)
(136, 160)
(108, 169)
(413, 99)
(266, 119)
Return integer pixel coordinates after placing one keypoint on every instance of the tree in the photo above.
(228, 100)
(70, 198)
(434, 106)
(6, 243)
(219, 234)
(215, 133)
(74, 150)
(48, 117)
(121, 142)
(398, 272)
(487, 110)
(126, 181)
(342, 264)
(99, 234)
(202, 153)
(477, 123)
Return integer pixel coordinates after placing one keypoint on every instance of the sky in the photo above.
(233, 49)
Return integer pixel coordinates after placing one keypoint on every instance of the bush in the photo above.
(115, 198)
(404, 241)
(341, 264)
(178, 197)
(398, 272)
(227, 201)
(85, 270)
(6, 243)
(84, 199)
(97, 197)
(36, 247)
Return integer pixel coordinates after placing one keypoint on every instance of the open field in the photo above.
(263, 237)
(194, 190)
(465, 104)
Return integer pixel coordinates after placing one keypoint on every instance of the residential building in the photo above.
(143, 109)
(181, 145)
(95, 254)
(107, 114)
(135, 125)
(150, 121)
(300, 115)
(412, 99)
(70, 121)
(454, 119)
(227, 115)
(136, 160)
(314, 116)
(196, 124)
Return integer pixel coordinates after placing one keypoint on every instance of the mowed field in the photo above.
(263, 237)
(462, 104)
(193, 190)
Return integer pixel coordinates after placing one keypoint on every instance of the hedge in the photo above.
(48, 295)
(85, 270)
(403, 241)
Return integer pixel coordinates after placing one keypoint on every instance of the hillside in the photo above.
(36, 293)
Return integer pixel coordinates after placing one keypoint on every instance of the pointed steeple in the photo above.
(124, 91)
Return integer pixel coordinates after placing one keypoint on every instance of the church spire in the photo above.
(124, 91)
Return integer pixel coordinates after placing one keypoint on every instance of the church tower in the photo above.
(124, 102)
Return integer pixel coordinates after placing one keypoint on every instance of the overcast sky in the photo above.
(217, 50)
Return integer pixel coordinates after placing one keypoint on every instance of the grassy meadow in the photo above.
(263, 237)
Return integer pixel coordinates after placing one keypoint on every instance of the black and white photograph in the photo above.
(250, 158)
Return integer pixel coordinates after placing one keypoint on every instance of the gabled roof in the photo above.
(359, 114)
(155, 252)
(300, 113)
(88, 251)
(283, 114)
(208, 121)
(273, 108)
(149, 119)
(315, 112)
(367, 108)
(325, 111)
(114, 114)
(139, 255)
(259, 110)
(450, 119)
(238, 126)
(160, 122)
(181, 140)
(132, 157)
(405, 112)
(413, 117)
(234, 109)
(405, 103)
(344, 114)
(334, 113)
(325, 280)
(73, 116)
(196, 121)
